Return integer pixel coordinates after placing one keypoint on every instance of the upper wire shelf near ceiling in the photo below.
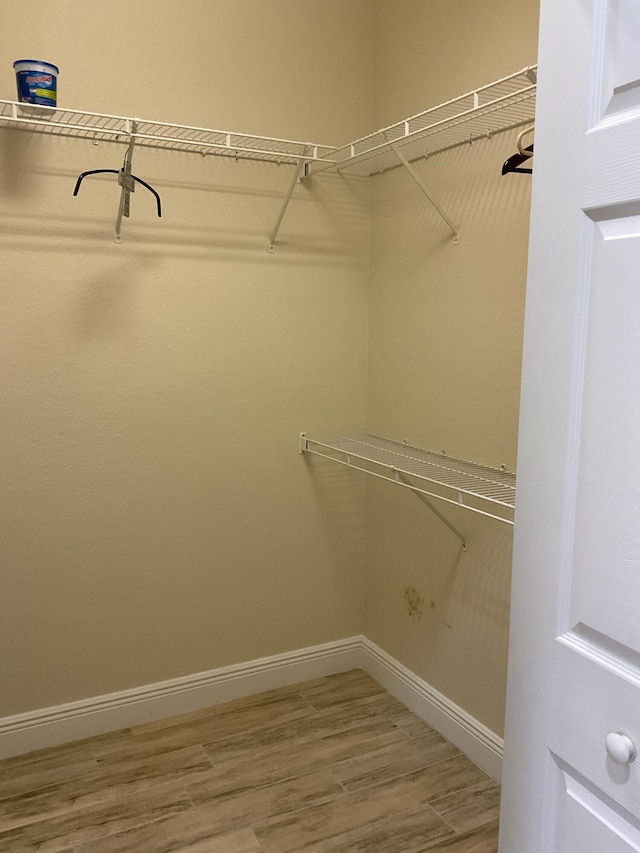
(502, 105)
(156, 134)
(499, 106)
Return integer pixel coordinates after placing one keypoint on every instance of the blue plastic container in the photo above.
(37, 82)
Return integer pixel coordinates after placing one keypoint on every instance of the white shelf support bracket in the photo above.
(416, 177)
(425, 500)
(300, 171)
(127, 184)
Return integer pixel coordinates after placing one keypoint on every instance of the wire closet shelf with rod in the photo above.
(502, 105)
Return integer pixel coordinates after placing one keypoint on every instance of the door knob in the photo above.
(620, 748)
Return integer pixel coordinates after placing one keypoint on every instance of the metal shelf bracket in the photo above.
(301, 171)
(416, 177)
(425, 500)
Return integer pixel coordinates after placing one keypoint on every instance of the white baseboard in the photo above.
(478, 742)
(86, 718)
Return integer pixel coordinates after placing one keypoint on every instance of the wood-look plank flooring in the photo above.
(335, 764)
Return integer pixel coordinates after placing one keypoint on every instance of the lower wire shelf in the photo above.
(478, 488)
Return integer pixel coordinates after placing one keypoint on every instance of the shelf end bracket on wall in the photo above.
(300, 172)
(416, 177)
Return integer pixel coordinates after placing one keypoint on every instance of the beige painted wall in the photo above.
(156, 517)
(445, 346)
(157, 520)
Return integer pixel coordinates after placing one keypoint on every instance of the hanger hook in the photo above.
(521, 136)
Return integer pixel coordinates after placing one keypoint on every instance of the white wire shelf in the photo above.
(499, 106)
(156, 134)
(502, 105)
(478, 488)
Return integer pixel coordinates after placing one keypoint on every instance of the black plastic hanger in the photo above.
(121, 179)
(513, 163)
(127, 183)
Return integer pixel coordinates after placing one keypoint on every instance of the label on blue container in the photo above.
(37, 87)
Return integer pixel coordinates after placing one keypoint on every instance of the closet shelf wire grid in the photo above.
(479, 488)
(155, 134)
(503, 105)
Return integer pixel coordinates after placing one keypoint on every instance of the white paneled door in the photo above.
(571, 779)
